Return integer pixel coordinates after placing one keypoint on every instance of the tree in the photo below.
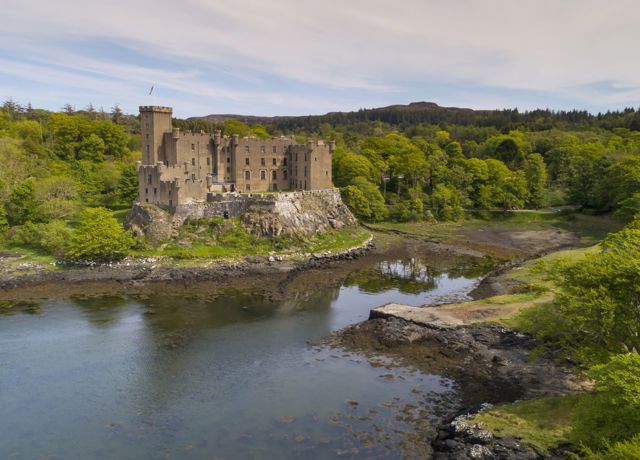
(116, 114)
(99, 237)
(535, 172)
(4, 223)
(597, 309)
(374, 198)
(350, 166)
(612, 414)
(260, 132)
(445, 203)
(91, 148)
(233, 126)
(355, 200)
(127, 187)
(22, 205)
(58, 197)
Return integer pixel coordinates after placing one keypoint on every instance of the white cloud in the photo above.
(233, 51)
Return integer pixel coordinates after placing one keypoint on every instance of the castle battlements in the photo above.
(183, 166)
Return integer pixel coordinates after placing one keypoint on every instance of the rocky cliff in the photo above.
(266, 215)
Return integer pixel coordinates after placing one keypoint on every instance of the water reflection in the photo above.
(201, 372)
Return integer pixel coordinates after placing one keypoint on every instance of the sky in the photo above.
(297, 57)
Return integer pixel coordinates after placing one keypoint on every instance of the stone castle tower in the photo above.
(178, 167)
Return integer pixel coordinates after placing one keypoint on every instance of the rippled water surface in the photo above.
(236, 375)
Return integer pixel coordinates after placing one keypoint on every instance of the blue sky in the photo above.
(293, 57)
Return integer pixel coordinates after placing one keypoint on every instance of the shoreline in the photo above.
(134, 272)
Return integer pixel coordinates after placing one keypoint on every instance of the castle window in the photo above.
(316, 158)
(193, 146)
(274, 175)
(285, 161)
(262, 149)
(170, 203)
(273, 161)
(155, 191)
(149, 179)
(147, 137)
(247, 175)
(248, 187)
(193, 177)
(263, 175)
(193, 162)
(326, 173)
(146, 191)
(169, 192)
(305, 185)
(275, 186)
(208, 161)
(246, 161)
(284, 174)
(228, 159)
(305, 156)
(274, 149)
(262, 162)
(228, 169)
(148, 148)
(246, 148)
(305, 171)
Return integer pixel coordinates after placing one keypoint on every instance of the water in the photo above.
(235, 375)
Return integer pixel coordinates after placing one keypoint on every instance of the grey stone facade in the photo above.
(182, 167)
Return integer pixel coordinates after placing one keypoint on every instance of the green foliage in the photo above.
(4, 223)
(259, 132)
(51, 237)
(374, 198)
(535, 172)
(612, 413)
(349, 166)
(445, 203)
(22, 205)
(99, 237)
(355, 200)
(57, 196)
(623, 450)
(233, 126)
(127, 187)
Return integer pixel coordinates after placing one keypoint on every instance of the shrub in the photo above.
(612, 413)
(99, 237)
(623, 450)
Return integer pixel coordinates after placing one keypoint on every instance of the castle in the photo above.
(180, 167)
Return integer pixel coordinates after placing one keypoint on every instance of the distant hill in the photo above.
(431, 113)
(412, 107)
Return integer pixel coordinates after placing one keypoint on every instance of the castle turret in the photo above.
(154, 122)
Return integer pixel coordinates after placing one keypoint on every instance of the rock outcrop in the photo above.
(270, 214)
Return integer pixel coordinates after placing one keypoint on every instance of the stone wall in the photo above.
(262, 214)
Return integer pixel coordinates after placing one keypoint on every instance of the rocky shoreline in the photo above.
(490, 364)
(135, 272)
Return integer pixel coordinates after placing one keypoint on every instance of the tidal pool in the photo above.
(235, 375)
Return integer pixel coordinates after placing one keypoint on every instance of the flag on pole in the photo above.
(151, 90)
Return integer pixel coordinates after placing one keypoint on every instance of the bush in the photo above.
(51, 237)
(99, 237)
(612, 414)
(623, 450)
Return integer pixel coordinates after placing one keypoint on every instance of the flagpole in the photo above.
(153, 95)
